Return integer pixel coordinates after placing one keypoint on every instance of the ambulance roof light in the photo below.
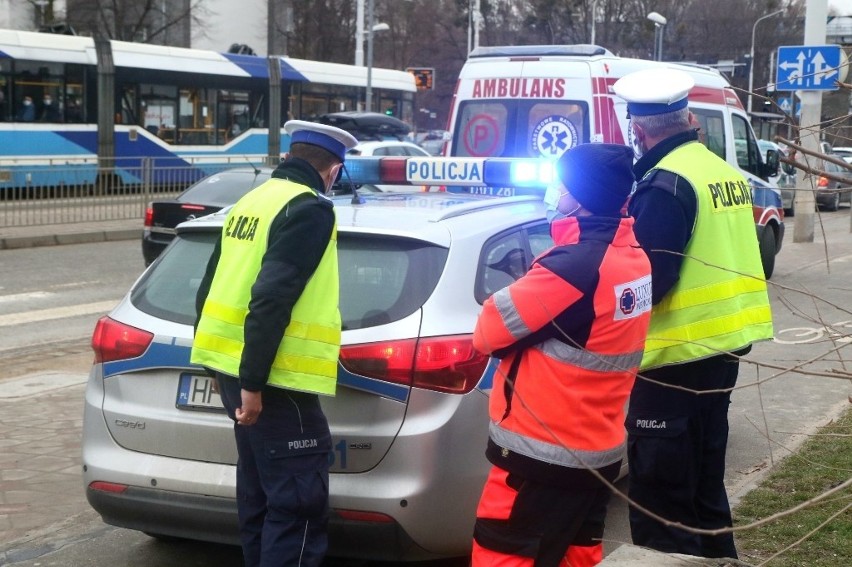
(578, 50)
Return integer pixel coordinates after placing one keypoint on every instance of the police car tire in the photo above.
(767, 251)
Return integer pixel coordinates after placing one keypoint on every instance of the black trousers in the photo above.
(282, 478)
(676, 452)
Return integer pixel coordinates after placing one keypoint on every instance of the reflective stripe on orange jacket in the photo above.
(579, 319)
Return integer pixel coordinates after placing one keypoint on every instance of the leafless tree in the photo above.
(166, 22)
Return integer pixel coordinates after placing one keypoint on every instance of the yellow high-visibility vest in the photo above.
(307, 356)
(720, 303)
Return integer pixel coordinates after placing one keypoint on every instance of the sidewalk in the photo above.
(73, 233)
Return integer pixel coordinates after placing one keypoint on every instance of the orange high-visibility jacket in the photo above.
(574, 328)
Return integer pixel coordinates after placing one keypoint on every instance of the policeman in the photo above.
(694, 218)
(269, 329)
(570, 334)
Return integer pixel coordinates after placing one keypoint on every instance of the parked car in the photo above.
(433, 141)
(398, 148)
(409, 421)
(206, 196)
(831, 192)
(845, 153)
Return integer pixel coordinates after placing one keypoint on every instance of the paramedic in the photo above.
(570, 335)
(269, 328)
(694, 217)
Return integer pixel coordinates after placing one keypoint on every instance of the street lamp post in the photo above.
(659, 23)
(751, 55)
(592, 41)
(371, 27)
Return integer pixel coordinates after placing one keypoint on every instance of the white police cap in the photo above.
(654, 91)
(331, 138)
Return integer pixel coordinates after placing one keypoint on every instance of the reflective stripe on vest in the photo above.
(720, 303)
(553, 453)
(306, 359)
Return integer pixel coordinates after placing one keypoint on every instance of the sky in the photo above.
(842, 7)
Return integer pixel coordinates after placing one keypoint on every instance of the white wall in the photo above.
(229, 21)
(18, 15)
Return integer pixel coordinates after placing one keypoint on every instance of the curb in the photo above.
(83, 237)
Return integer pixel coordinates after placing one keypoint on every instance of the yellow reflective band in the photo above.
(217, 344)
(225, 313)
(289, 362)
(692, 333)
(311, 332)
(711, 293)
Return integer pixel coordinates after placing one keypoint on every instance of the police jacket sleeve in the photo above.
(522, 308)
(664, 206)
(298, 239)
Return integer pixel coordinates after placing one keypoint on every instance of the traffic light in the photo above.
(423, 77)
(390, 111)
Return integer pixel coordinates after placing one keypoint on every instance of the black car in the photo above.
(831, 192)
(207, 196)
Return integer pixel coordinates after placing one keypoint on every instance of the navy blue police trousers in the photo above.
(282, 477)
(676, 448)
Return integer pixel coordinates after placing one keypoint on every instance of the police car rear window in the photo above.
(382, 279)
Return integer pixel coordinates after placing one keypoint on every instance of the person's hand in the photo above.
(250, 409)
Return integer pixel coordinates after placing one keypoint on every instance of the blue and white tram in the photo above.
(140, 110)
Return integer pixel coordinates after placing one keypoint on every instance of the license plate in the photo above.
(196, 392)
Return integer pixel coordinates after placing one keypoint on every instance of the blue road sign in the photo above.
(790, 106)
(808, 68)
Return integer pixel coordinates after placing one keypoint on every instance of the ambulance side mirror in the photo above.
(770, 164)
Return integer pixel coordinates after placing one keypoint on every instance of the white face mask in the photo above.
(552, 196)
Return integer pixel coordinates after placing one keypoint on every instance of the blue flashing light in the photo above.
(516, 172)
(362, 170)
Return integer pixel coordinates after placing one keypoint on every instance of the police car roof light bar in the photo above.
(452, 171)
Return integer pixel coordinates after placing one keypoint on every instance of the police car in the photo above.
(410, 419)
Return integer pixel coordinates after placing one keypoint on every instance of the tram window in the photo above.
(74, 96)
(40, 83)
(158, 106)
(233, 116)
(313, 106)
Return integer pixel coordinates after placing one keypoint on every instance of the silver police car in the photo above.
(409, 421)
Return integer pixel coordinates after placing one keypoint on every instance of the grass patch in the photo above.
(823, 462)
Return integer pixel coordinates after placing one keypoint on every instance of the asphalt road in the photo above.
(787, 387)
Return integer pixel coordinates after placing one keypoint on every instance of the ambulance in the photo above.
(538, 101)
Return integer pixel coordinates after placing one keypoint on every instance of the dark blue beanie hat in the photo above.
(599, 176)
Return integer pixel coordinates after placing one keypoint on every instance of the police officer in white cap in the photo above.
(694, 218)
(269, 331)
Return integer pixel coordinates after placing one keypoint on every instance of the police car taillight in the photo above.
(116, 341)
(443, 364)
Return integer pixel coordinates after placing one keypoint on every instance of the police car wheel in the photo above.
(767, 251)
